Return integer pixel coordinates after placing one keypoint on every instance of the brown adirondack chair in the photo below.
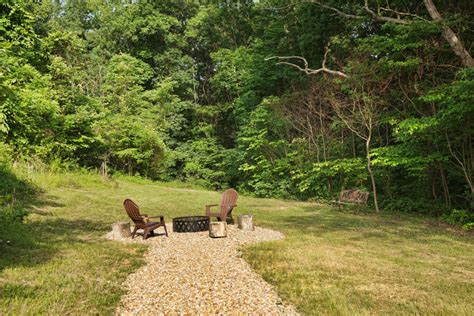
(140, 220)
(228, 202)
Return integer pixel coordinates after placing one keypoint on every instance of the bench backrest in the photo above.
(354, 196)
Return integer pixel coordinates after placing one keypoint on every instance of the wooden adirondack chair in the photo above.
(140, 220)
(228, 202)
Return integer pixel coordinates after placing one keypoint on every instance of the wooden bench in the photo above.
(352, 197)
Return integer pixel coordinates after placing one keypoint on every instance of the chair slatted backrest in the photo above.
(229, 199)
(133, 211)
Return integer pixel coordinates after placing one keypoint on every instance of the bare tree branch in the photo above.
(450, 36)
(381, 18)
(462, 165)
(285, 60)
(401, 18)
(339, 12)
(400, 14)
(375, 15)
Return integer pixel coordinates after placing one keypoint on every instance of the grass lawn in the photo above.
(330, 263)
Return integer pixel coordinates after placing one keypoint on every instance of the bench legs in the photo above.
(357, 205)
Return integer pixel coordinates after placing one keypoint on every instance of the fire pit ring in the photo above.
(190, 224)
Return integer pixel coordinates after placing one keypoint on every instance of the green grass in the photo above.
(330, 263)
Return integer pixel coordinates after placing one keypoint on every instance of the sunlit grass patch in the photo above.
(331, 262)
(339, 263)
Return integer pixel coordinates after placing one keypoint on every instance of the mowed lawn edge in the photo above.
(330, 262)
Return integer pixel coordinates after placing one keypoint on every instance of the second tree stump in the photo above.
(121, 230)
(246, 222)
(217, 229)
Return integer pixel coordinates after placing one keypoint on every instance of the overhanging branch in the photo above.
(404, 18)
(285, 60)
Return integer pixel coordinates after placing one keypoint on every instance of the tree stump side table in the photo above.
(217, 229)
(121, 230)
(245, 222)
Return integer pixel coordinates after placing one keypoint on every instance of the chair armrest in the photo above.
(229, 207)
(161, 217)
(208, 214)
(208, 208)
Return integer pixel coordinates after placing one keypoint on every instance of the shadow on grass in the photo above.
(34, 243)
(24, 243)
(18, 291)
(16, 195)
(29, 243)
(362, 226)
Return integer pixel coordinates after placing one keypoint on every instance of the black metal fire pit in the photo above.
(188, 224)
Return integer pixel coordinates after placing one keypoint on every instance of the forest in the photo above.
(286, 99)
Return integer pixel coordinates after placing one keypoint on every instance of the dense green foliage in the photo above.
(178, 90)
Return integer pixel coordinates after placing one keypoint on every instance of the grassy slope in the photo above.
(330, 262)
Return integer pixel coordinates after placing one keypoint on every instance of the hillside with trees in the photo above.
(294, 100)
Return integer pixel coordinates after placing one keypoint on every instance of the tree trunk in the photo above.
(321, 125)
(371, 174)
(104, 170)
(450, 36)
(447, 196)
(130, 168)
(354, 152)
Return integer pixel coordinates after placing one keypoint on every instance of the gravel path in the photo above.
(190, 273)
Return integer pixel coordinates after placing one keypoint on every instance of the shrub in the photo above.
(409, 205)
(468, 227)
(460, 217)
